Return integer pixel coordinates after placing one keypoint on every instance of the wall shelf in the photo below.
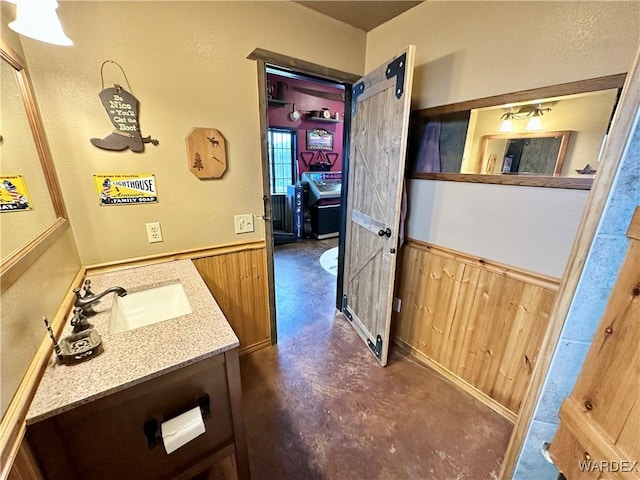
(322, 119)
(274, 102)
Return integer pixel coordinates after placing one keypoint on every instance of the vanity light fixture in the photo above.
(531, 112)
(38, 19)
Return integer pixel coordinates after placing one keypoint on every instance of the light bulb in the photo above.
(506, 126)
(534, 123)
(37, 19)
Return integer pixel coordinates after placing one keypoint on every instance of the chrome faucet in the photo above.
(89, 299)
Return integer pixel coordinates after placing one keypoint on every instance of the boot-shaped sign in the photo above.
(122, 108)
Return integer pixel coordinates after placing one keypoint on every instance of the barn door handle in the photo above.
(265, 201)
(386, 232)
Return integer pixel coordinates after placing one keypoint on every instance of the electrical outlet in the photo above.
(244, 223)
(154, 232)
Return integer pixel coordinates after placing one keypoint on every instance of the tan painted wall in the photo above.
(526, 227)
(186, 63)
(468, 50)
(38, 292)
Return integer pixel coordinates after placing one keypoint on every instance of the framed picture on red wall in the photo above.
(319, 139)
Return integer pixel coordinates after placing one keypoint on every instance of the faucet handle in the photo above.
(87, 288)
(79, 321)
(78, 316)
(77, 292)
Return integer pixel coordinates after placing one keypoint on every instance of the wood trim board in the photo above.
(569, 183)
(533, 278)
(302, 66)
(582, 86)
(179, 255)
(267, 199)
(16, 265)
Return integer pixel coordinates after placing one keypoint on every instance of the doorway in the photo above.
(305, 144)
(379, 106)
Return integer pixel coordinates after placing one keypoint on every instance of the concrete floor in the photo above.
(319, 406)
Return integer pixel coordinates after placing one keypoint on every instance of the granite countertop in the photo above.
(134, 356)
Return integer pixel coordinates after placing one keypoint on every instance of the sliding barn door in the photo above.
(379, 126)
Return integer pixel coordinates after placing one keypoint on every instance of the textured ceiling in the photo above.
(364, 15)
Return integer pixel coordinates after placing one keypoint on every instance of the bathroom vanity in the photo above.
(100, 419)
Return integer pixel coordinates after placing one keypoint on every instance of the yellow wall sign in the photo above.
(123, 189)
(13, 194)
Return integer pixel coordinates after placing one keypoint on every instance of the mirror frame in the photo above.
(562, 150)
(12, 267)
(559, 90)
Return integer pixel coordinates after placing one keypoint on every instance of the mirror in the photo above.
(524, 153)
(545, 133)
(32, 213)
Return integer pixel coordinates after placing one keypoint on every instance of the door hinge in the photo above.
(356, 91)
(397, 69)
(377, 347)
(345, 308)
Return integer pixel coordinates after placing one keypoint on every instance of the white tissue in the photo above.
(182, 429)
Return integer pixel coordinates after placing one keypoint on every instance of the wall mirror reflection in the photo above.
(524, 153)
(552, 131)
(19, 156)
(24, 155)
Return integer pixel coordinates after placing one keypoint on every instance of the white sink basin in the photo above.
(149, 306)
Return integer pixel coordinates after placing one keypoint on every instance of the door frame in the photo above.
(263, 59)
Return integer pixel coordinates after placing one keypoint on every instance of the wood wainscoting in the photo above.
(477, 322)
(237, 279)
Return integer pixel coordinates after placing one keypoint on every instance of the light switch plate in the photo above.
(244, 223)
(397, 304)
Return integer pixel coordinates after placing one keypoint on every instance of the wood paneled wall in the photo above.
(473, 320)
(237, 279)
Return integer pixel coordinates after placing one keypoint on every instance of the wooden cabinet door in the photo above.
(599, 433)
(379, 127)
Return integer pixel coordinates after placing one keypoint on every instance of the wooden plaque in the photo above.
(207, 153)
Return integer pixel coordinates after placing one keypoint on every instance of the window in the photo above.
(282, 153)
